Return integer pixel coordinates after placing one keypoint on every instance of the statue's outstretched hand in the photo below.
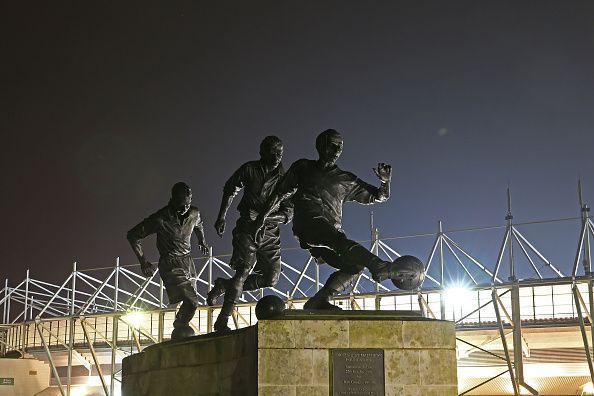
(147, 268)
(220, 226)
(383, 172)
(203, 247)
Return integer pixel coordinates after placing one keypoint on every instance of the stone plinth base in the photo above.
(201, 365)
(292, 356)
(294, 352)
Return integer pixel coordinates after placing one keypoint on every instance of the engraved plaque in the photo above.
(358, 372)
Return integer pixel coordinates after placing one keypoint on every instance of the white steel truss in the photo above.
(95, 308)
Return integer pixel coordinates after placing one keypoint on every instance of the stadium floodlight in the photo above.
(588, 388)
(79, 390)
(458, 295)
(134, 319)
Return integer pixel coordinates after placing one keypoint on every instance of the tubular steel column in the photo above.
(578, 308)
(94, 355)
(71, 323)
(161, 313)
(26, 296)
(317, 277)
(49, 356)
(210, 268)
(210, 312)
(442, 307)
(5, 305)
(500, 328)
(375, 250)
(515, 300)
(114, 328)
(23, 332)
(587, 252)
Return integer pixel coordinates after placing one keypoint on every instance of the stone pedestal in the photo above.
(294, 352)
(292, 356)
(196, 366)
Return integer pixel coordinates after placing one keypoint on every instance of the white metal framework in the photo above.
(98, 316)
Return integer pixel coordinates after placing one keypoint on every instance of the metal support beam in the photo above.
(71, 323)
(578, 309)
(114, 328)
(442, 307)
(51, 360)
(94, 354)
(510, 368)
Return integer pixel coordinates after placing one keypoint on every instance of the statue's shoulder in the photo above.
(344, 176)
(249, 166)
(160, 214)
(194, 212)
(348, 175)
(302, 163)
(164, 211)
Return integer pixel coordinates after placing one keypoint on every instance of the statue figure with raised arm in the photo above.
(258, 180)
(318, 190)
(174, 225)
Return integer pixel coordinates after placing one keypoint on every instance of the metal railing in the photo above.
(119, 310)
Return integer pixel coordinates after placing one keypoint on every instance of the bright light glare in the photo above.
(134, 319)
(457, 295)
(94, 380)
(78, 391)
(588, 388)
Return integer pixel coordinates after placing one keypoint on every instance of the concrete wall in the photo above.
(30, 376)
(205, 365)
(294, 355)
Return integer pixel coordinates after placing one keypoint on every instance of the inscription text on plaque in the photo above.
(358, 372)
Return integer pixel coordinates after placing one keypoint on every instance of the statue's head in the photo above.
(329, 146)
(271, 151)
(181, 198)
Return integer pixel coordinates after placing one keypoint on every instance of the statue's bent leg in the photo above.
(179, 279)
(336, 283)
(326, 242)
(268, 261)
(350, 255)
(218, 289)
(244, 256)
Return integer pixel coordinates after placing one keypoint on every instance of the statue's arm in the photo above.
(285, 189)
(220, 222)
(384, 173)
(383, 192)
(284, 214)
(365, 193)
(199, 231)
(135, 236)
(232, 187)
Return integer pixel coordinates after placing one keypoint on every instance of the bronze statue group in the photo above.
(310, 194)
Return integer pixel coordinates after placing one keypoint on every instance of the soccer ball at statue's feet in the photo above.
(407, 272)
(269, 307)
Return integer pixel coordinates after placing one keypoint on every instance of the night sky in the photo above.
(107, 104)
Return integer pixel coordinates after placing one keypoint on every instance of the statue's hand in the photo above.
(147, 268)
(203, 247)
(220, 226)
(383, 172)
